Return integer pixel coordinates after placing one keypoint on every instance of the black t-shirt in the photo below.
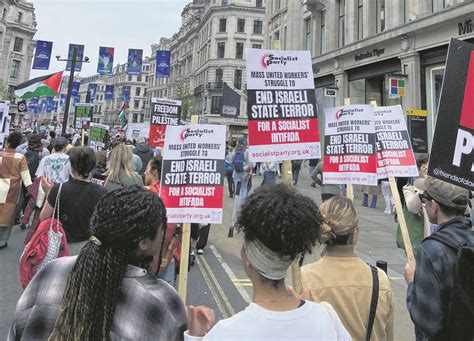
(76, 205)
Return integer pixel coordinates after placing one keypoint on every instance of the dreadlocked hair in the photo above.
(121, 219)
(283, 220)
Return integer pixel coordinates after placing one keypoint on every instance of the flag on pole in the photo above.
(40, 86)
(122, 116)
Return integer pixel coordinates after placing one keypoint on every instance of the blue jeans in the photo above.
(269, 178)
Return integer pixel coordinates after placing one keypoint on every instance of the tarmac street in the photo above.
(218, 280)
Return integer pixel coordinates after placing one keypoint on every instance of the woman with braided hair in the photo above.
(344, 280)
(104, 294)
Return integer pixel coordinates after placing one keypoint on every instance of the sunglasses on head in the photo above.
(424, 197)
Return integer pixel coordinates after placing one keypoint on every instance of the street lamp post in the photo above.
(73, 61)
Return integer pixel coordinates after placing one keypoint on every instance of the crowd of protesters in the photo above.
(121, 247)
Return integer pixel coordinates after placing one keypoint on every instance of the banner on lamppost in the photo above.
(135, 61)
(106, 60)
(109, 93)
(42, 55)
(91, 91)
(163, 61)
(75, 91)
(79, 56)
(126, 93)
(49, 104)
(62, 101)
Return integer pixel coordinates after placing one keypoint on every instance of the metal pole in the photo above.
(69, 90)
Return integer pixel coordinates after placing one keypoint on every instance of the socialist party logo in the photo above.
(190, 132)
(271, 59)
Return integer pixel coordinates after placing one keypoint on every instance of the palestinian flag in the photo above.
(41, 86)
(122, 116)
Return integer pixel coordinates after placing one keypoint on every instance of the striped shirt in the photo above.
(147, 308)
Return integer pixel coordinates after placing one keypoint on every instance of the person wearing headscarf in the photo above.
(279, 225)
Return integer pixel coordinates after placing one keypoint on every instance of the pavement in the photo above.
(218, 279)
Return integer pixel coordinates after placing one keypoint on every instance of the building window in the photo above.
(219, 76)
(139, 78)
(308, 35)
(257, 46)
(18, 45)
(437, 5)
(239, 51)
(15, 71)
(4, 14)
(19, 18)
(360, 19)
(259, 4)
(136, 104)
(341, 23)
(137, 91)
(225, 2)
(222, 25)
(216, 105)
(129, 78)
(380, 15)
(241, 25)
(220, 50)
(238, 79)
(322, 46)
(257, 27)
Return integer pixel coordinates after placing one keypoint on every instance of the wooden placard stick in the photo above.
(401, 220)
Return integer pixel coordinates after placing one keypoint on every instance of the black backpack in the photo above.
(460, 317)
(32, 159)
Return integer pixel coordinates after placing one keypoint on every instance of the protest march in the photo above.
(275, 170)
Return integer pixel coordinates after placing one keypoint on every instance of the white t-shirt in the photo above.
(312, 321)
(55, 168)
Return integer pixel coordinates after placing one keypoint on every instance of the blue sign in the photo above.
(79, 56)
(75, 91)
(49, 103)
(109, 93)
(33, 104)
(42, 55)
(91, 91)
(126, 94)
(135, 61)
(163, 61)
(106, 60)
(62, 101)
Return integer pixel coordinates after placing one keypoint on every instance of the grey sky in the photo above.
(121, 24)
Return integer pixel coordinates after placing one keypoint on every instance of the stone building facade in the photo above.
(17, 29)
(359, 46)
(209, 50)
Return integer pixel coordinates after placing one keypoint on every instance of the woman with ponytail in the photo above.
(344, 280)
(104, 293)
